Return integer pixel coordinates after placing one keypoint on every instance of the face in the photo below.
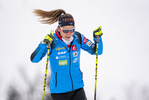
(68, 35)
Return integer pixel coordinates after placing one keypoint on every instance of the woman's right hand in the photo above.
(49, 38)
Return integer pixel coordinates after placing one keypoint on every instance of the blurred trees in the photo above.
(13, 93)
(133, 92)
(33, 90)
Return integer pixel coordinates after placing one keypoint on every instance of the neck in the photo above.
(68, 42)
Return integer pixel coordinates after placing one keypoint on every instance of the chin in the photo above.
(67, 38)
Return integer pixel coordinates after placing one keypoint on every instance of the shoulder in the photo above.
(77, 36)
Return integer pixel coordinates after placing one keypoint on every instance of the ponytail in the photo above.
(49, 17)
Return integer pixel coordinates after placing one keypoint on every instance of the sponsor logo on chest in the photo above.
(62, 62)
(75, 54)
(75, 60)
(59, 53)
(60, 48)
(74, 47)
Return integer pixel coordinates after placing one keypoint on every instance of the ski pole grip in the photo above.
(49, 44)
(97, 39)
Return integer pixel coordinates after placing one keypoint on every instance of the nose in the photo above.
(69, 34)
(69, 31)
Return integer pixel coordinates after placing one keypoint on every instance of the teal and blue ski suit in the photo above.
(66, 75)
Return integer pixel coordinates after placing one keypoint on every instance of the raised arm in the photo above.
(89, 46)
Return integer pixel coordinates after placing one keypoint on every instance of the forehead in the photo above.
(67, 27)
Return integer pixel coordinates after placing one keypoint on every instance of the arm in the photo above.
(42, 48)
(39, 53)
(90, 47)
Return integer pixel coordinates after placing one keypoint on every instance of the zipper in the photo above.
(56, 79)
(70, 70)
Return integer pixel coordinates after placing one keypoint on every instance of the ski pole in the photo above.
(96, 67)
(45, 78)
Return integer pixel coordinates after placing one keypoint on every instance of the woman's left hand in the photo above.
(98, 32)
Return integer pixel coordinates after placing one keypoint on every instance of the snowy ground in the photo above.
(123, 67)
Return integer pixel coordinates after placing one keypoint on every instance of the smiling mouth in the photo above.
(68, 37)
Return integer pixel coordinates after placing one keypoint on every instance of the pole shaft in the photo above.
(45, 78)
(96, 67)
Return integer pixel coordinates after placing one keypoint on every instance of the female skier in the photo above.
(66, 81)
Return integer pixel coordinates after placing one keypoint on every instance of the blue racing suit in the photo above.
(66, 75)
